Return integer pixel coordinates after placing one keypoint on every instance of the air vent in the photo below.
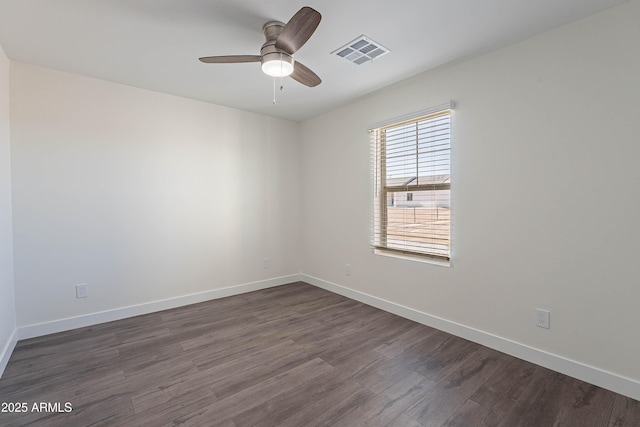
(361, 50)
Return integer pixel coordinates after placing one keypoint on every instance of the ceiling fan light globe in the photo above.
(277, 66)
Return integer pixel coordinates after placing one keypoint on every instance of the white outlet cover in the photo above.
(543, 318)
(82, 290)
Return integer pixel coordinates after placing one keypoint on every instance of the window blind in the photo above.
(411, 170)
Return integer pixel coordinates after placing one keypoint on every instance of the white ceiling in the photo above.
(155, 44)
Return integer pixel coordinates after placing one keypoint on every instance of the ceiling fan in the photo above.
(283, 40)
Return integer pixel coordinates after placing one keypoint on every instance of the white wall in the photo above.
(143, 196)
(545, 201)
(7, 300)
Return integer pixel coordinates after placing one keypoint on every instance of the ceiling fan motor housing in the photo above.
(269, 52)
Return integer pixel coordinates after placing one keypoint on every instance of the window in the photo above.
(412, 178)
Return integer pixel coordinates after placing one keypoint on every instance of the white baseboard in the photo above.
(36, 330)
(5, 355)
(590, 374)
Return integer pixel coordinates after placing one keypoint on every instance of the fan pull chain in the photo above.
(274, 81)
(281, 73)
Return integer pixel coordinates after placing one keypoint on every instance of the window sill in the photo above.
(415, 258)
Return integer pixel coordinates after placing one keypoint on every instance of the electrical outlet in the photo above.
(542, 318)
(82, 290)
(266, 263)
(347, 269)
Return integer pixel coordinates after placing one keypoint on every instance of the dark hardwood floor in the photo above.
(294, 355)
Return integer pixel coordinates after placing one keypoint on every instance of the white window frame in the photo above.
(430, 228)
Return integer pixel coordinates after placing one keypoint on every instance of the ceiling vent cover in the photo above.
(361, 50)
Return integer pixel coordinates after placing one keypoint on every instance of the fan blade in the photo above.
(230, 59)
(304, 75)
(297, 31)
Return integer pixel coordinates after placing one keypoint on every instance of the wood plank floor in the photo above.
(294, 355)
